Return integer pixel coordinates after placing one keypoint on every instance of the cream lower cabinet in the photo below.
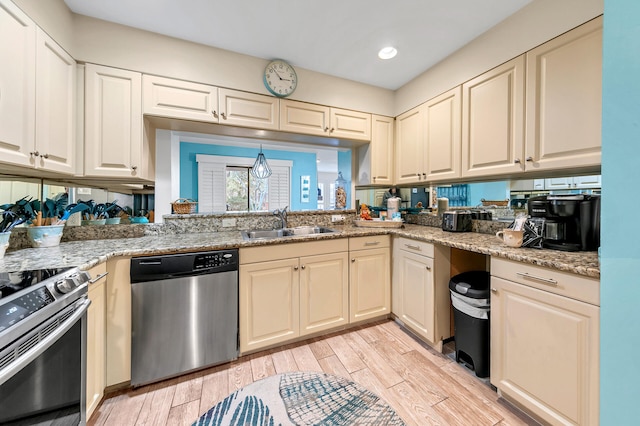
(118, 315)
(96, 338)
(545, 342)
(369, 277)
(292, 290)
(421, 290)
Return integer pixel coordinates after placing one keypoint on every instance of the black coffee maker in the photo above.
(571, 222)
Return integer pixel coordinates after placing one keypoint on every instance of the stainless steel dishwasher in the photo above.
(184, 313)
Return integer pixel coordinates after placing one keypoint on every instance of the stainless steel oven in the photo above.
(43, 346)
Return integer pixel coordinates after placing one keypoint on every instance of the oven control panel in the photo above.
(20, 308)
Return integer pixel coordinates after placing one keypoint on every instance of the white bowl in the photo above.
(45, 236)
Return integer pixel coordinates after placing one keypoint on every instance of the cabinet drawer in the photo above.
(364, 243)
(558, 282)
(289, 251)
(413, 246)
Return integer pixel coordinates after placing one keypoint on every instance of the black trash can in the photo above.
(471, 299)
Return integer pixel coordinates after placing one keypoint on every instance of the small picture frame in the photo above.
(305, 187)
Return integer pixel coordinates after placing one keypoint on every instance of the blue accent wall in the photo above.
(304, 163)
(620, 248)
(344, 166)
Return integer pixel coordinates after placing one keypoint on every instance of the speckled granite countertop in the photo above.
(86, 254)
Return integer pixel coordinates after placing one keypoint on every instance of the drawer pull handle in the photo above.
(98, 278)
(549, 281)
(372, 243)
(409, 246)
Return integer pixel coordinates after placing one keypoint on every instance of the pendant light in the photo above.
(261, 169)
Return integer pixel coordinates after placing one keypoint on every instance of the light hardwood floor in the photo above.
(422, 385)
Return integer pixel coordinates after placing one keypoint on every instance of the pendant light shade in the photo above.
(261, 169)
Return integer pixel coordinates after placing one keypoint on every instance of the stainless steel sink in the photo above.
(265, 234)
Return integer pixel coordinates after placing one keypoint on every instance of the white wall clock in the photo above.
(280, 78)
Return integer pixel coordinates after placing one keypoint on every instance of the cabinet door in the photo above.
(302, 117)
(269, 303)
(113, 122)
(350, 124)
(382, 150)
(442, 136)
(564, 100)
(545, 352)
(585, 182)
(370, 284)
(118, 321)
(17, 85)
(558, 183)
(409, 146)
(55, 106)
(166, 97)
(248, 109)
(96, 338)
(324, 292)
(493, 121)
(417, 294)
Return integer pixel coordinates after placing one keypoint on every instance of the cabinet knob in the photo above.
(428, 268)
(424, 175)
(418, 175)
(516, 161)
(295, 268)
(215, 114)
(302, 267)
(44, 155)
(529, 158)
(494, 290)
(332, 130)
(353, 260)
(134, 168)
(34, 154)
(224, 116)
(326, 129)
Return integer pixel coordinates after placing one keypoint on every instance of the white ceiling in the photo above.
(335, 37)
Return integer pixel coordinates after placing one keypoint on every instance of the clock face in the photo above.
(280, 78)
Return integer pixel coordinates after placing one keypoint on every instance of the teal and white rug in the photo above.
(301, 398)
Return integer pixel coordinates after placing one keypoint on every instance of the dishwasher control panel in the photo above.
(215, 259)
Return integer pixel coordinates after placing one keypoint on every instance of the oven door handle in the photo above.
(24, 360)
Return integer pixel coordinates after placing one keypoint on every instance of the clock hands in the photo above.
(278, 74)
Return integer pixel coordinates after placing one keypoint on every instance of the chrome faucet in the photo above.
(282, 215)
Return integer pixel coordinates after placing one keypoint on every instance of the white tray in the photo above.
(377, 223)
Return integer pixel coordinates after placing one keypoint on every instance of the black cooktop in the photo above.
(13, 282)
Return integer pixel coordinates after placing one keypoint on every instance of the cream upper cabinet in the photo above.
(545, 341)
(312, 119)
(409, 153)
(292, 290)
(17, 85)
(302, 117)
(37, 96)
(248, 109)
(564, 100)
(420, 288)
(369, 277)
(113, 123)
(375, 160)
(96, 338)
(493, 121)
(166, 97)
(118, 321)
(348, 124)
(442, 136)
(55, 106)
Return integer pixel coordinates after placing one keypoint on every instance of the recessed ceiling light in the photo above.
(387, 52)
